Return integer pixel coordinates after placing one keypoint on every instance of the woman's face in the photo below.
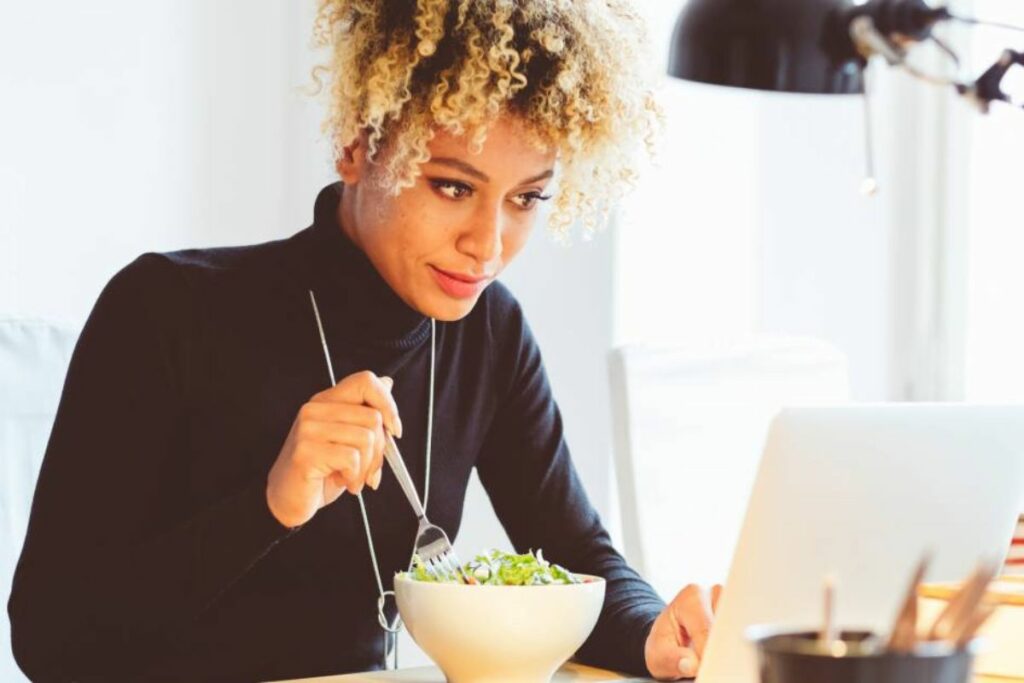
(440, 243)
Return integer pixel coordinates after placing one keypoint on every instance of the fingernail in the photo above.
(398, 426)
(688, 665)
(387, 380)
(375, 480)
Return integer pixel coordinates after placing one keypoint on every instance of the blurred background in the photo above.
(128, 127)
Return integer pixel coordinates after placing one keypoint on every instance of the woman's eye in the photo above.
(452, 189)
(528, 200)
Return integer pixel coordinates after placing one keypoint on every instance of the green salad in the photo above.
(498, 568)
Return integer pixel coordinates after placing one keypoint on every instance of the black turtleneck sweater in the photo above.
(151, 553)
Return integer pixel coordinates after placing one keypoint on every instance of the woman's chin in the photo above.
(444, 308)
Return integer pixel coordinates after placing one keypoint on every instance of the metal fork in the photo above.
(432, 544)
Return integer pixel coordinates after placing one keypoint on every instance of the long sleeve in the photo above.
(527, 471)
(114, 559)
(151, 553)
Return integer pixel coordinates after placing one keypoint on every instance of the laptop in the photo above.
(861, 492)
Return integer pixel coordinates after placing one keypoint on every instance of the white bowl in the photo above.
(499, 634)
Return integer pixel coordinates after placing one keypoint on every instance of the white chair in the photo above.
(688, 427)
(34, 357)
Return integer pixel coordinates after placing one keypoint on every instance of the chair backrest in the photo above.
(1015, 560)
(689, 426)
(34, 357)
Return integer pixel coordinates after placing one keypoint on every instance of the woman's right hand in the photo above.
(336, 444)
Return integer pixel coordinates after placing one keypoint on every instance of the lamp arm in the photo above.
(869, 40)
(988, 87)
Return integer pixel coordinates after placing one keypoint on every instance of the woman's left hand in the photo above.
(675, 645)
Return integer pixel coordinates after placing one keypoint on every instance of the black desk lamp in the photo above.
(814, 46)
(818, 46)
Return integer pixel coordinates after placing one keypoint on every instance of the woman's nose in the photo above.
(482, 238)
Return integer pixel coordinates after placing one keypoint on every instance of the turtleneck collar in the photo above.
(348, 287)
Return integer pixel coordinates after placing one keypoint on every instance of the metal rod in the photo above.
(868, 186)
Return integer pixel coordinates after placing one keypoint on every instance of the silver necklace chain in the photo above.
(390, 630)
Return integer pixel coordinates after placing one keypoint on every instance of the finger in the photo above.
(716, 595)
(368, 438)
(693, 612)
(670, 661)
(333, 488)
(390, 384)
(346, 461)
(334, 413)
(365, 388)
(336, 484)
(348, 413)
(378, 458)
(688, 663)
(331, 460)
(364, 439)
(338, 480)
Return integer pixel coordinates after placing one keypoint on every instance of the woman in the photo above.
(189, 522)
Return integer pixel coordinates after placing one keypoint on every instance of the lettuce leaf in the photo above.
(498, 568)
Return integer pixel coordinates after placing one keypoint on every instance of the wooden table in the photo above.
(570, 673)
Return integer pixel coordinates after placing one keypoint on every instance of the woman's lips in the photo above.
(459, 286)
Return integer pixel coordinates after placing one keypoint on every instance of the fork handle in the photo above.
(394, 459)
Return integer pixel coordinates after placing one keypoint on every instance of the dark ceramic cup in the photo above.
(854, 657)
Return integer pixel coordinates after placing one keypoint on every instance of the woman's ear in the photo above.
(352, 164)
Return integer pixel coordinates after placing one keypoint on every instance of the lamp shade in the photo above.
(783, 45)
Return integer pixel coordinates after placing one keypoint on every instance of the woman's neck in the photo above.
(347, 214)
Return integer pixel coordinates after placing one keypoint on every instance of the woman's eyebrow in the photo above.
(458, 164)
(540, 176)
(471, 170)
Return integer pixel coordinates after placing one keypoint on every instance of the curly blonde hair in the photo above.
(572, 70)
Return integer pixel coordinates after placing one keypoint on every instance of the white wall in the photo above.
(823, 266)
(129, 127)
(754, 223)
(994, 365)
